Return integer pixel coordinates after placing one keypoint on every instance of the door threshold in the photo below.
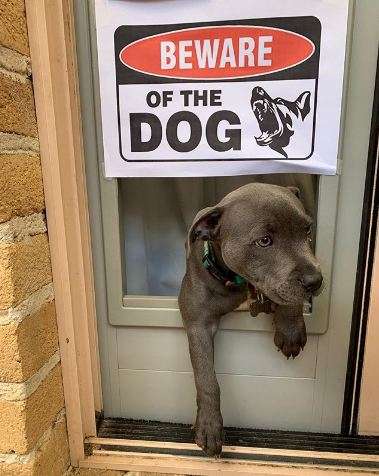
(142, 445)
(118, 430)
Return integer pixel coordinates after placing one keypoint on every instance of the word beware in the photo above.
(216, 53)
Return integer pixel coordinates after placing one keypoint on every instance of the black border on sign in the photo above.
(266, 77)
(349, 423)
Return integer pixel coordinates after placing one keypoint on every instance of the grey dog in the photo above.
(259, 233)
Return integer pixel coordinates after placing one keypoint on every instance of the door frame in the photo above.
(55, 79)
(329, 380)
(364, 408)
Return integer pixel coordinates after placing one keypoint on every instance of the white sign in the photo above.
(220, 87)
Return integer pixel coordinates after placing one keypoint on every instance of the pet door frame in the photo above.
(163, 311)
(56, 87)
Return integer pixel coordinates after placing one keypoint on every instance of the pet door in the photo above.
(146, 261)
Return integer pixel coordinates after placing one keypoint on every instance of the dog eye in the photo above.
(264, 242)
(309, 234)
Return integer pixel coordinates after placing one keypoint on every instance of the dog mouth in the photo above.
(284, 300)
(293, 297)
(268, 121)
(277, 296)
(287, 296)
(272, 117)
(318, 291)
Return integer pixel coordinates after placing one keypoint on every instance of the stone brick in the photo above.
(17, 112)
(21, 188)
(51, 457)
(23, 422)
(16, 468)
(98, 472)
(110, 472)
(13, 30)
(27, 345)
(24, 268)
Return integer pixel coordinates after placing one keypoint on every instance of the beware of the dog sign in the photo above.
(249, 87)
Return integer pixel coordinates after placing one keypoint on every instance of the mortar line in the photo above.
(21, 228)
(15, 62)
(29, 306)
(20, 78)
(12, 143)
(19, 152)
(17, 391)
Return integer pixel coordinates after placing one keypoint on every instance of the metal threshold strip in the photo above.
(117, 437)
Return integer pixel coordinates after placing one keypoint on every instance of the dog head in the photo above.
(264, 235)
(276, 117)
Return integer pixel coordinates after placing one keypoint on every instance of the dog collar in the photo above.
(227, 277)
(257, 301)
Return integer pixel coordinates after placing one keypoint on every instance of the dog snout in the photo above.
(312, 281)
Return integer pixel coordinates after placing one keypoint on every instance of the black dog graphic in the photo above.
(277, 118)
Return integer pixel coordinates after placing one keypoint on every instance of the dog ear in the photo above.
(294, 190)
(303, 102)
(205, 226)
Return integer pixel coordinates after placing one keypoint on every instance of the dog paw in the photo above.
(291, 341)
(209, 432)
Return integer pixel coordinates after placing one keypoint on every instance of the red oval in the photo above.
(288, 49)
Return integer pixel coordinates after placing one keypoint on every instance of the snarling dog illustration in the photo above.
(278, 118)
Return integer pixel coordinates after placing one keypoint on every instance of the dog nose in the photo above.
(312, 282)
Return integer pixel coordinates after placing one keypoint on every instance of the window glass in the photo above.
(157, 212)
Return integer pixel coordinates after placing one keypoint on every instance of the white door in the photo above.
(138, 232)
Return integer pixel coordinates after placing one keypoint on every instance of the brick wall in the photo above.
(33, 438)
(33, 435)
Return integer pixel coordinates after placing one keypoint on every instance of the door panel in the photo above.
(235, 352)
(247, 401)
(145, 365)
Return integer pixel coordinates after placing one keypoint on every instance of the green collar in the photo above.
(222, 274)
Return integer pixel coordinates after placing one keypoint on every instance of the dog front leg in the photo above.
(290, 332)
(208, 427)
